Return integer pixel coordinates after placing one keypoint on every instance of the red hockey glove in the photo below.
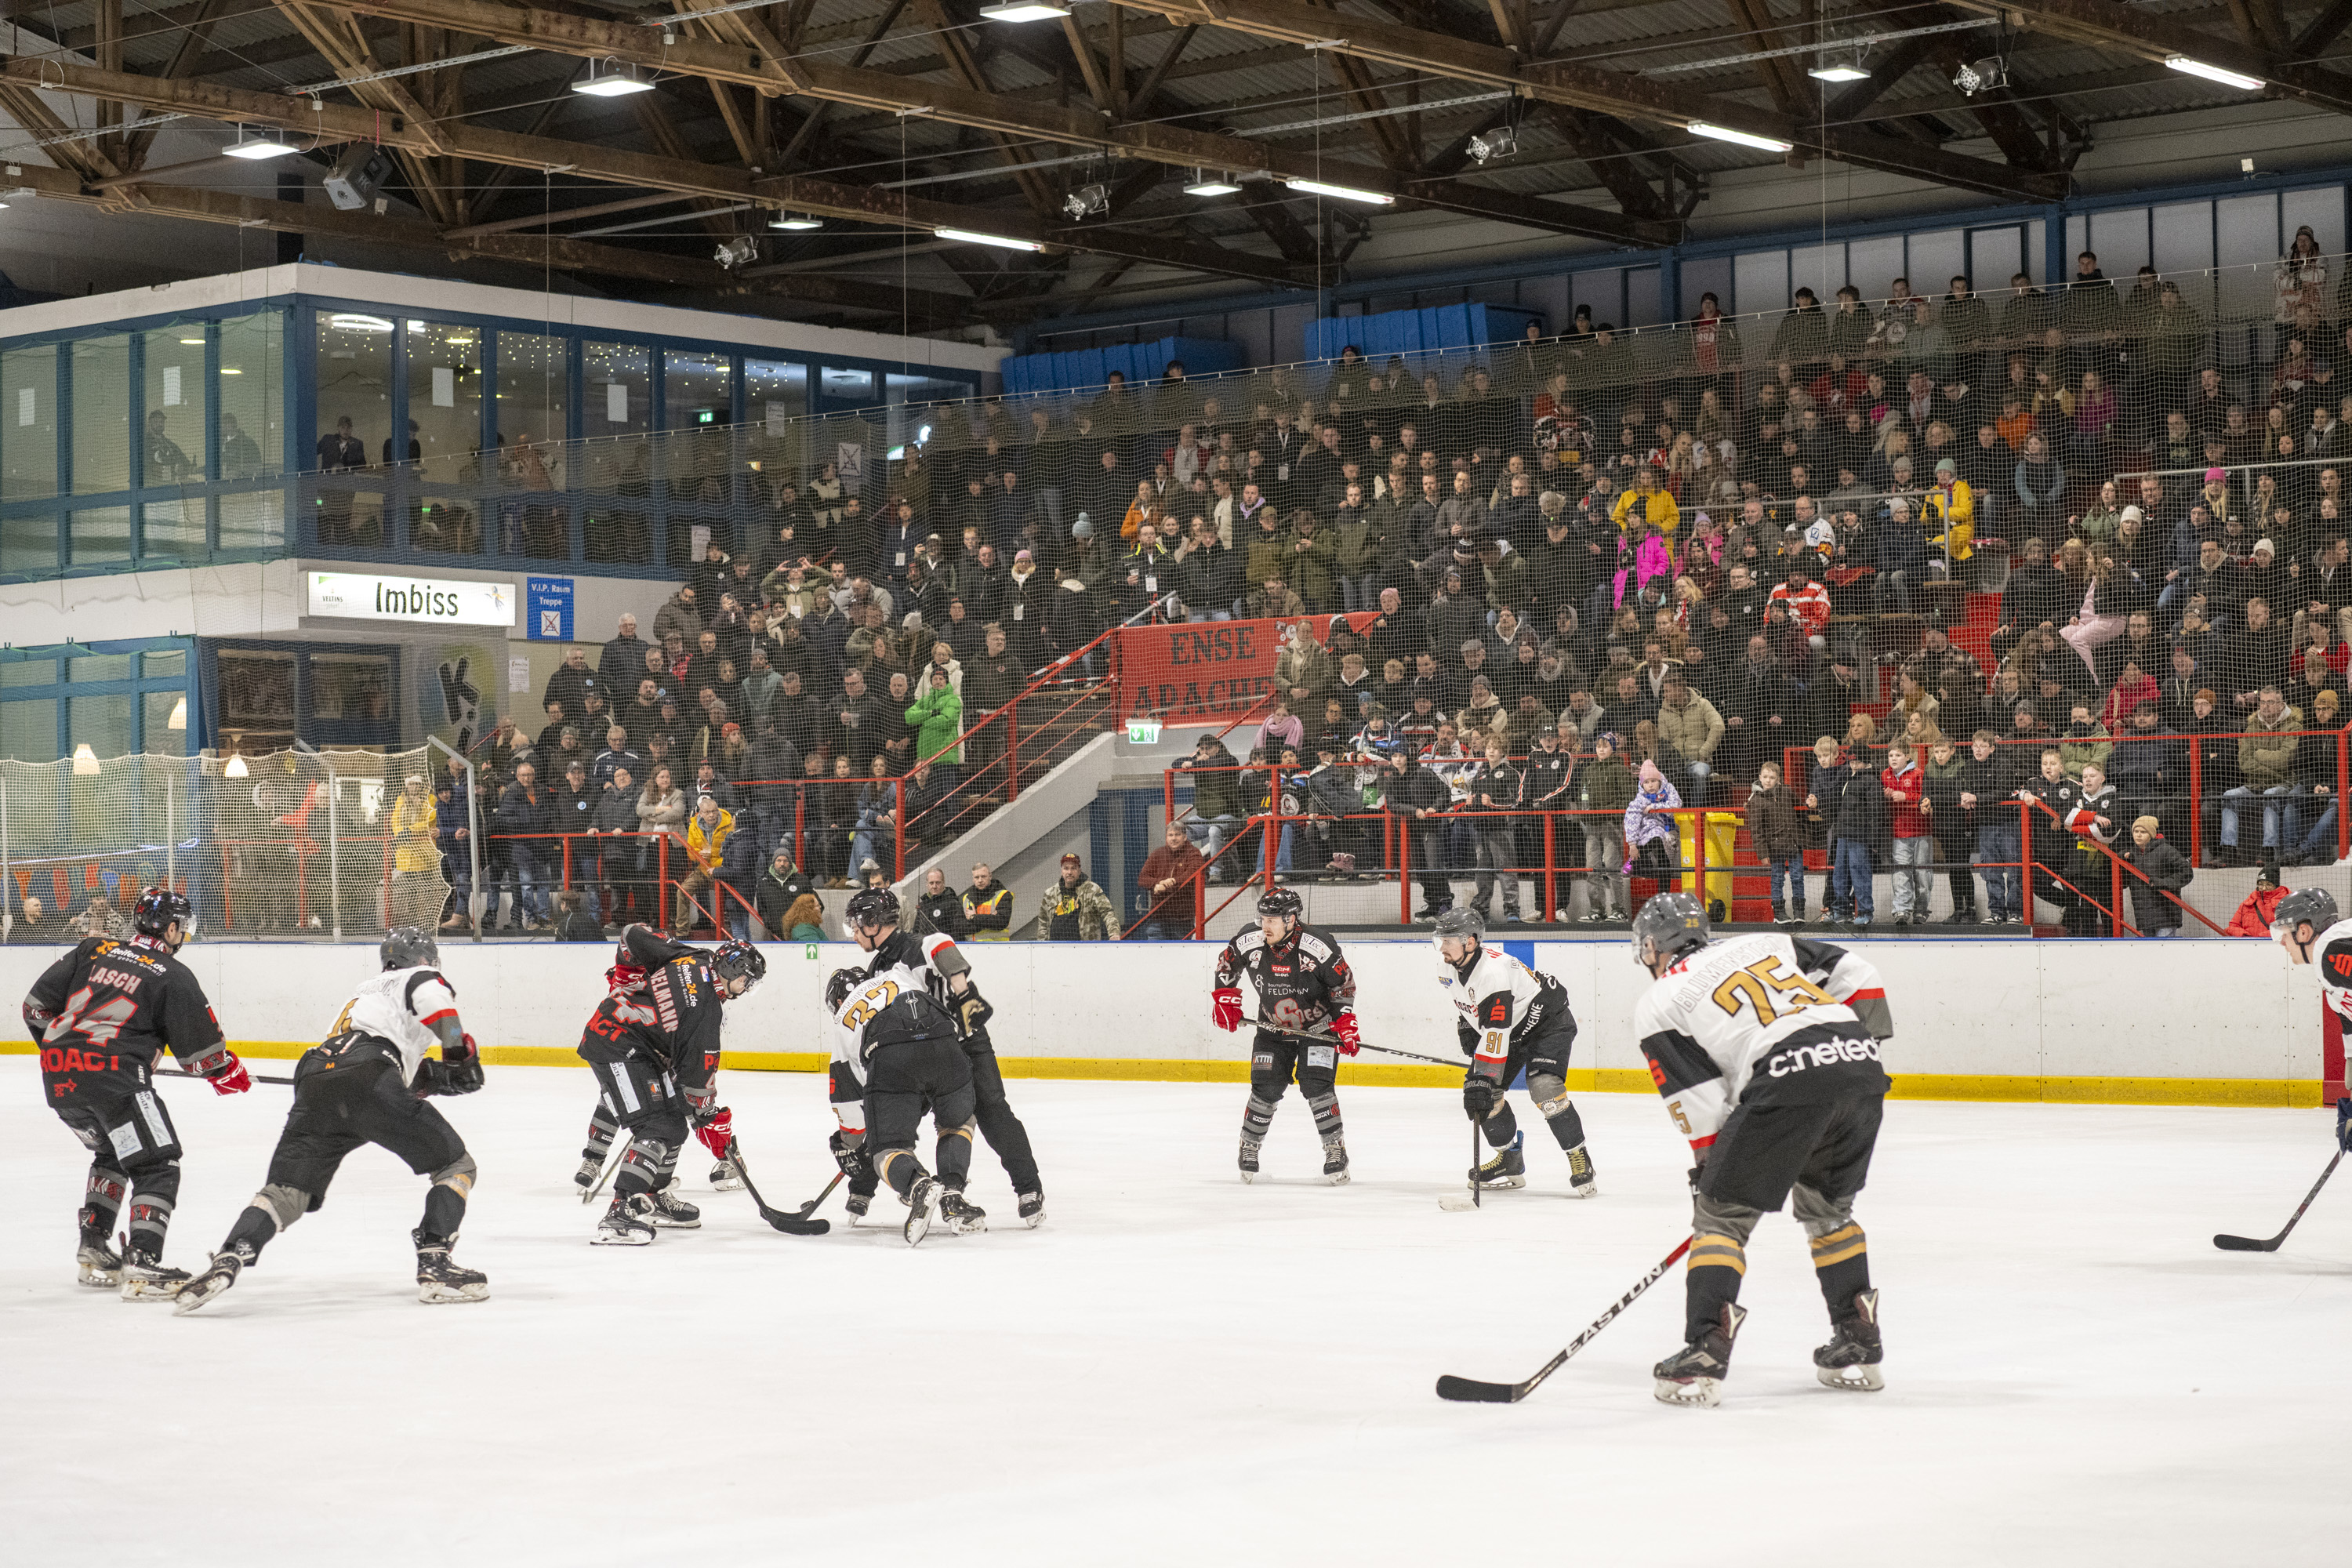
(1350, 1038)
(717, 1132)
(1226, 1007)
(226, 1074)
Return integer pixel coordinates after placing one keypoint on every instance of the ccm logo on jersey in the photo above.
(1827, 1053)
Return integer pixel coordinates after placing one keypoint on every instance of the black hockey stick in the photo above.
(1470, 1390)
(257, 1077)
(790, 1224)
(1366, 1044)
(618, 1150)
(2247, 1244)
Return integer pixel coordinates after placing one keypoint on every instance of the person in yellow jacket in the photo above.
(1653, 499)
(987, 907)
(1950, 501)
(706, 844)
(417, 890)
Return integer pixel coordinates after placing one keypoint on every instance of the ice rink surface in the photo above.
(1181, 1368)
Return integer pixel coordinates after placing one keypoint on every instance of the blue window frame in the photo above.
(116, 697)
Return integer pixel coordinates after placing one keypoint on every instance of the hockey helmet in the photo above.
(838, 985)
(2316, 905)
(1668, 924)
(410, 947)
(873, 907)
(1458, 923)
(735, 961)
(1281, 904)
(156, 910)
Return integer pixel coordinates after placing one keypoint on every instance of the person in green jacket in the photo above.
(938, 715)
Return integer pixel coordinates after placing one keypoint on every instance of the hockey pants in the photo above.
(132, 1145)
(903, 1080)
(1814, 1157)
(1544, 1059)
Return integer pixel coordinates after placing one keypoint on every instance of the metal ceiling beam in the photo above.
(2107, 23)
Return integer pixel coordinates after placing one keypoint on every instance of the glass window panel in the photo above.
(697, 389)
(172, 449)
(1760, 278)
(28, 543)
(350, 686)
(101, 723)
(29, 672)
(619, 382)
(157, 666)
(855, 386)
(257, 690)
(2120, 239)
(1641, 297)
(354, 389)
(253, 520)
(101, 416)
(775, 402)
(29, 731)
(2322, 209)
(535, 399)
(172, 529)
(252, 395)
(159, 736)
(99, 535)
(449, 525)
(28, 423)
(445, 401)
(1995, 254)
(99, 666)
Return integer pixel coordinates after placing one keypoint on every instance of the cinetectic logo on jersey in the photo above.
(1820, 1054)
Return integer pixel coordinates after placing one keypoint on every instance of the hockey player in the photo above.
(98, 1015)
(946, 972)
(2306, 925)
(1511, 1019)
(1766, 1050)
(653, 1044)
(1303, 983)
(367, 1083)
(895, 1050)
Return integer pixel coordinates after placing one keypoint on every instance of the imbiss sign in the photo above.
(425, 600)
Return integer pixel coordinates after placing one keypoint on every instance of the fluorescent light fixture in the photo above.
(231, 370)
(795, 221)
(1725, 133)
(1024, 11)
(2212, 73)
(1204, 185)
(351, 321)
(179, 720)
(191, 342)
(242, 148)
(1841, 70)
(969, 237)
(1341, 192)
(610, 79)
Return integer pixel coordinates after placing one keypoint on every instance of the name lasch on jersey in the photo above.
(1823, 1053)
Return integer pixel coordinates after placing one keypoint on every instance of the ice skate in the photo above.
(1249, 1157)
(671, 1212)
(1505, 1168)
(587, 1177)
(858, 1204)
(627, 1223)
(440, 1277)
(1850, 1361)
(922, 1199)
(725, 1178)
(1581, 1182)
(215, 1280)
(1033, 1209)
(1335, 1162)
(146, 1278)
(1693, 1375)
(963, 1218)
(101, 1266)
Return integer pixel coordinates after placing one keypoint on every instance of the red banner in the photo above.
(1199, 671)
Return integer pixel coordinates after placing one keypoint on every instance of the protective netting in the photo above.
(288, 844)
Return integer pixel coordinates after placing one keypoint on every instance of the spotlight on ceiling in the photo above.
(736, 252)
(1207, 184)
(795, 221)
(1024, 11)
(1499, 142)
(1086, 201)
(610, 79)
(1981, 76)
(247, 145)
(1839, 68)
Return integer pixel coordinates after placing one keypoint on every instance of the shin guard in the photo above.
(1717, 1264)
(1841, 1264)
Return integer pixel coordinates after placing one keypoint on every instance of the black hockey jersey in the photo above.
(108, 1003)
(1302, 985)
(671, 1016)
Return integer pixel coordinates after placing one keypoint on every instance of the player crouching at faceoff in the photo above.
(1302, 979)
(896, 1048)
(100, 1014)
(367, 1083)
(2307, 925)
(1511, 1019)
(1766, 1051)
(653, 1044)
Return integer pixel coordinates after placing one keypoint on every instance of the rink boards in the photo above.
(2131, 1023)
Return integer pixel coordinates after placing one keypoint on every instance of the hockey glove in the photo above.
(1351, 1038)
(2343, 1125)
(223, 1071)
(1226, 1007)
(1477, 1097)
(850, 1157)
(972, 1011)
(716, 1131)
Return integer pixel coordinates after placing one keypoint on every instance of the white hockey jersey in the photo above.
(902, 996)
(2331, 953)
(399, 1007)
(1502, 1002)
(1761, 1019)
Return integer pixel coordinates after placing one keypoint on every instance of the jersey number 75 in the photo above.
(1770, 991)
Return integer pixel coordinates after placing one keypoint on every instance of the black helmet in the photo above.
(838, 985)
(1282, 902)
(873, 907)
(1460, 920)
(409, 947)
(738, 960)
(2313, 904)
(1668, 924)
(157, 909)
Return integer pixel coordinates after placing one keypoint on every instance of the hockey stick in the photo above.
(620, 1151)
(2247, 1244)
(257, 1077)
(790, 1224)
(1470, 1390)
(1366, 1044)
